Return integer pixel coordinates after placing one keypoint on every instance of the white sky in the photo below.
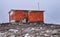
(51, 8)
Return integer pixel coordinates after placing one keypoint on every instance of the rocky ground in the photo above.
(29, 30)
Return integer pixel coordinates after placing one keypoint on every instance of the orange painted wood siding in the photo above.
(32, 16)
(36, 16)
(18, 15)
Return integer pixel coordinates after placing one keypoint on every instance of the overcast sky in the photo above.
(51, 8)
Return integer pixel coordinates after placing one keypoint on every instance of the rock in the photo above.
(13, 30)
